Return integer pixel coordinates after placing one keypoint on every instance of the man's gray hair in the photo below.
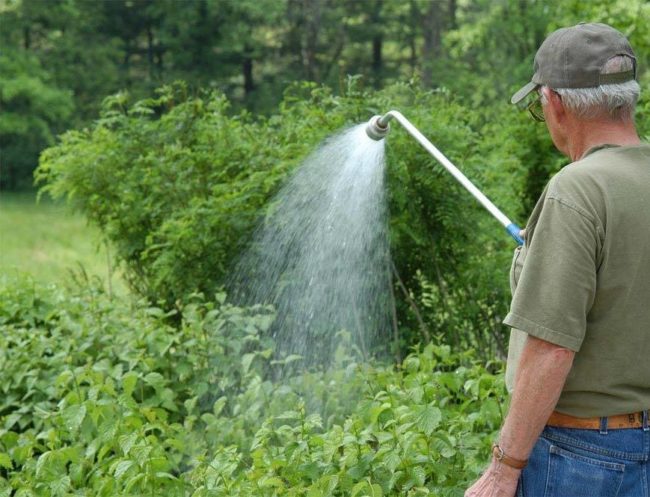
(613, 101)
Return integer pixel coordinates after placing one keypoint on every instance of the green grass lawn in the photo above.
(47, 241)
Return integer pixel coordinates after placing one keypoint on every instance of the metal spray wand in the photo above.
(378, 128)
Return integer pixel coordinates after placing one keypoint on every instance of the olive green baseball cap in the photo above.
(574, 57)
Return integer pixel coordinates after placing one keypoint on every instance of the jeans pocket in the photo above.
(577, 475)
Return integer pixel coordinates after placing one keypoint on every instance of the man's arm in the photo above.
(541, 373)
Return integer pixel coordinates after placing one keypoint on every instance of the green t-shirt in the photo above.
(582, 280)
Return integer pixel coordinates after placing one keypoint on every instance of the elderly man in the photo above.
(579, 359)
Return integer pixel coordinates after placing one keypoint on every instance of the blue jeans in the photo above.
(569, 462)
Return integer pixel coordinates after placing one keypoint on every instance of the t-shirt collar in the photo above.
(597, 148)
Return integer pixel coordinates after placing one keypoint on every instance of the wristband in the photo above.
(502, 457)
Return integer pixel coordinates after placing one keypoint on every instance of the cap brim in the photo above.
(523, 93)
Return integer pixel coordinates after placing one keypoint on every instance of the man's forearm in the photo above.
(541, 373)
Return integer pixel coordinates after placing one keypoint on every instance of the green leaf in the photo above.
(219, 404)
(45, 463)
(417, 475)
(166, 476)
(246, 361)
(131, 482)
(129, 381)
(368, 489)
(122, 467)
(392, 460)
(141, 453)
(155, 312)
(358, 488)
(375, 490)
(156, 380)
(377, 410)
(60, 486)
(127, 441)
(5, 461)
(272, 481)
(73, 416)
(428, 418)
(328, 484)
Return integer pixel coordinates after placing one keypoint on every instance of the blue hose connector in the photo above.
(514, 230)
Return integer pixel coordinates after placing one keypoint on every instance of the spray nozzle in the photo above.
(377, 127)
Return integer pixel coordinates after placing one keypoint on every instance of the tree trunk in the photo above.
(453, 7)
(312, 11)
(432, 29)
(377, 42)
(150, 61)
(377, 64)
(247, 69)
(126, 66)
(415, 15)
(159, 60)
(296, 20)
(27, 37)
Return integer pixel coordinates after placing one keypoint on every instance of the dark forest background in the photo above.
(60, 58)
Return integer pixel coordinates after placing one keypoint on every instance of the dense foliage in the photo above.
(103, 397)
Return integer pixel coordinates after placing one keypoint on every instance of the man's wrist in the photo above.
(500, 456)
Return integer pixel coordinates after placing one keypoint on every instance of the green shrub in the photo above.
(178, 183)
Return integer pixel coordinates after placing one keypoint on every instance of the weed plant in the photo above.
(105, 397)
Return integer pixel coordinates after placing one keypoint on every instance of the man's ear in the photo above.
(555, 104)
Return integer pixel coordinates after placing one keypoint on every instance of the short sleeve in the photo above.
(557, 284)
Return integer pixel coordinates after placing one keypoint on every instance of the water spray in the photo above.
(377, 129)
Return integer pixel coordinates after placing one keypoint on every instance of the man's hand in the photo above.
(498, 480)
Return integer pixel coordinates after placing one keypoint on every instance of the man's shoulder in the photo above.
(574, 181)
(598, 170)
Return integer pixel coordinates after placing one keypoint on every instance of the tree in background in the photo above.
(34, 109)
(252, 50)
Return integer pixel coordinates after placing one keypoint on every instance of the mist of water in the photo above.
(320, 256)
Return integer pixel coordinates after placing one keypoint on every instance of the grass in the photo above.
(49, 242)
